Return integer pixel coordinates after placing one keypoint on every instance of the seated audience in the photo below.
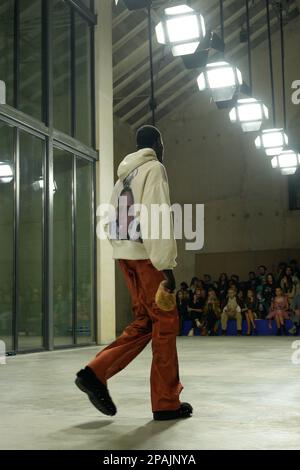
(208, 284)
(279, 311)
(288, 284)
(252, 281)
(262, 274)
(262, 296)
(268, 291)
(251, 308)
(196, 309)
(193, 286)
(295, 267)
(296, 316)
(235, 281)
(280, 271)
(182, 306)
(212, 313)
(262, 306)
(231, 311)
(222, 288)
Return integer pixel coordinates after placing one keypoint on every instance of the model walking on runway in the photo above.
(145, 263)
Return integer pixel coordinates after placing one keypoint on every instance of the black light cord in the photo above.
(271, 62)
(249, 46)
(283, 66)
(222, 24)
(152, 95)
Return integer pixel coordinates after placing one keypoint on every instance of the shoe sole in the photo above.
(94, 402)
(169, 415)
(169, 418)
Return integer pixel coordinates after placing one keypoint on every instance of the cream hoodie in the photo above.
(149, 186)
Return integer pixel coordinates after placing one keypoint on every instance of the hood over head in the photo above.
(134, 160)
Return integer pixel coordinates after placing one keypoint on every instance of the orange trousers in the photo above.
(149, 323)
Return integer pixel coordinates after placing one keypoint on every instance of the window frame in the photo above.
(53, 138)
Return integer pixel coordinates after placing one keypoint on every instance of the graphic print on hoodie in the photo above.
(124, 219)
(148, 183)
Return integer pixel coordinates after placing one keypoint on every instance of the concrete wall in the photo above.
(105, 169)
(211, 161)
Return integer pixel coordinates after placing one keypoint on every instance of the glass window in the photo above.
(6, 233)
(7, 48)
(62, 66)
(83, 80)
(30, 93)
(62, 248)
(30, 321)
(85, 251)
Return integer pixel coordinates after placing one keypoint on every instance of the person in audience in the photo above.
(262, 306)
(288, 284)
(184, 286)
(184, 289)
(231, 311)
(297, 284)
(193, 286)
(279, 311)
(222, 288)
(262, 274)
(236, 281)
(196, 309)
(295, 267)
(241, 301)
(232, 285)
(251, 305)
(182, 307)
(200, 284)
(212, 312)
(268, 291)
(295, 330)
(252, 280)
(208, 284)
(280, 271)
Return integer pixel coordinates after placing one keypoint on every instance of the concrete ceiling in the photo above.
(173, 82)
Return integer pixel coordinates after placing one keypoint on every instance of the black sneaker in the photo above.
(185, 411)
(97, 392)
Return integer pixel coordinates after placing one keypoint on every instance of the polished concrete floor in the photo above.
(245, 392)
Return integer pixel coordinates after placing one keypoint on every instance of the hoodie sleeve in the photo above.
(161, 246)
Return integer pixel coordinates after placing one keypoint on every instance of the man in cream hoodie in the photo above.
(146, 259)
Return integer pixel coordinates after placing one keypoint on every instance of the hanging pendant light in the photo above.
(249, 113)
(182, 28)
(6, 173)
(272, 141)
(287, 161)
(222, 79)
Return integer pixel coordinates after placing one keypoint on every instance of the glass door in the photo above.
(30, 275)
(63, 265)
(7, 182)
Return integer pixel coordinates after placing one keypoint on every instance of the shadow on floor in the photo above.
(138, 438)
(118, 438)
(93, 425)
